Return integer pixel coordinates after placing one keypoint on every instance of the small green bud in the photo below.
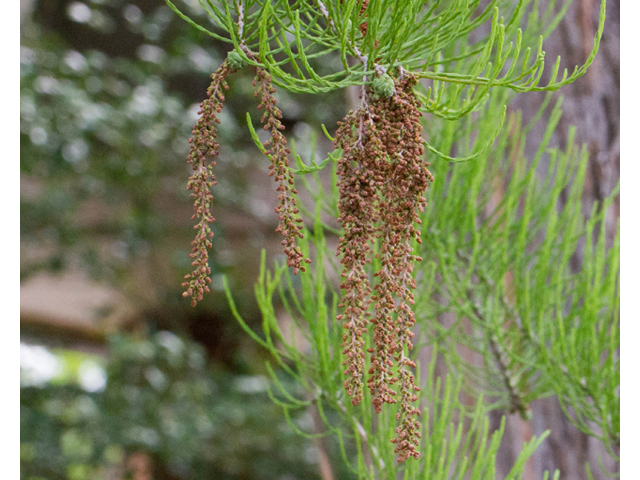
(384, 85)
(235, 60)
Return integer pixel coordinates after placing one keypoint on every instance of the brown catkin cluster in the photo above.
(204, 148)
(277, 152)
(358, 212)
(383, 179)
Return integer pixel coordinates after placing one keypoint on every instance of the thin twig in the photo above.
(240, 6)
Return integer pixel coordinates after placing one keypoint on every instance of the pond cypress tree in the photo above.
(476, 237)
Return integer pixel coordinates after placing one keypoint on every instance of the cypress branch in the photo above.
(556, 332)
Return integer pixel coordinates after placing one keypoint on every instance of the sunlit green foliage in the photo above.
(485, 44)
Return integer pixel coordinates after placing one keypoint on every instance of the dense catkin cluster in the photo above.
(290, 223)
(203, 149)
(358, 211)
(383, 179)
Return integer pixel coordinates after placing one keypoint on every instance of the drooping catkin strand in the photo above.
(408, 178)
(204, 148)
(358, 210)
(383, 179)
(381, 375)
(288, 214)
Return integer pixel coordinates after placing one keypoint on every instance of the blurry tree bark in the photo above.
(592, 105)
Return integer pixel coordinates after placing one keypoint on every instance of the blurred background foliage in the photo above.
(155, 399)
(109, 93)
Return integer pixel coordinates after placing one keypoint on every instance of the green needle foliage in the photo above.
(501, 268)
(485, 276)
(466, 47)
(501, 263)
